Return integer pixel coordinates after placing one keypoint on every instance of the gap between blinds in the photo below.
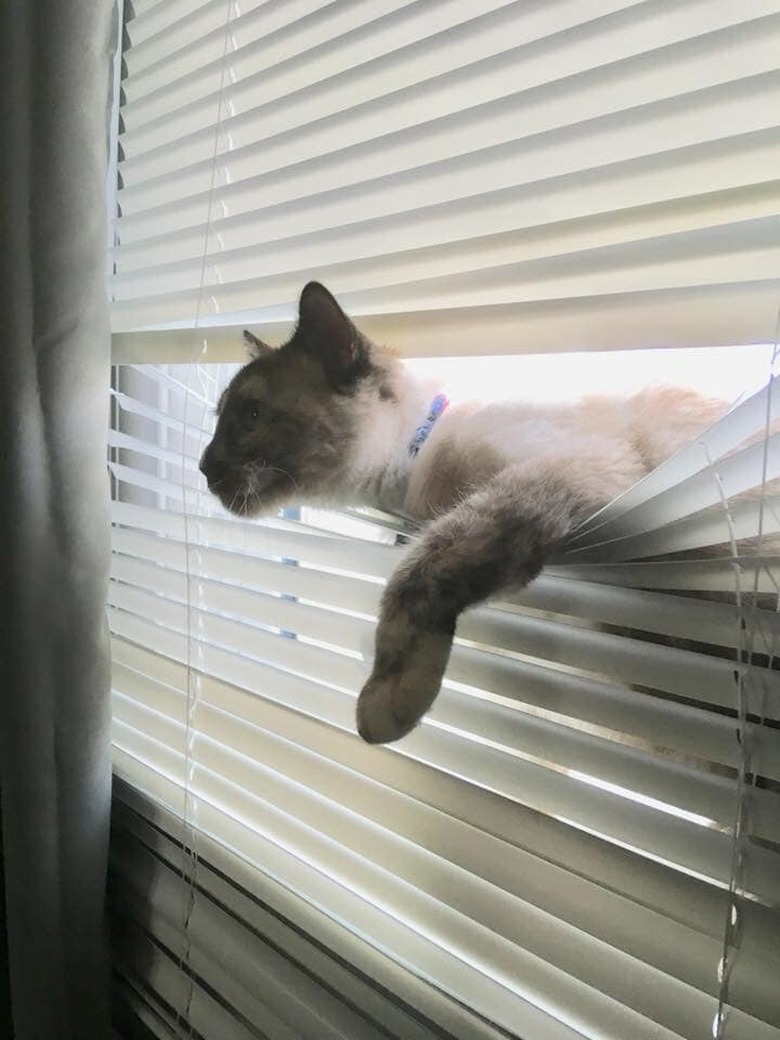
(583, 838)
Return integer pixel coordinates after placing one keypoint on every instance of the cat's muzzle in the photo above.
(213, 470)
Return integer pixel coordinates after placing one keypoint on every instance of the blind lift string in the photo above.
(190, 844)
(750, 715)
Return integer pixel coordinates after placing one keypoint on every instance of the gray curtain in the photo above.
(54, 721)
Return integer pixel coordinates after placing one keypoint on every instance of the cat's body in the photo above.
(332, 419)
(616, 441)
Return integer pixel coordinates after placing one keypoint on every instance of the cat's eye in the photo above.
(251, 411)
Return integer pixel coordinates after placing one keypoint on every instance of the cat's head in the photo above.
(288, 421)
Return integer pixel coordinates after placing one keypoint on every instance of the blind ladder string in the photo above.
(731, 922)
(744, 677)
(190, 844)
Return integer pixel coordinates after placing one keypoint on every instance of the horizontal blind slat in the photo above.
(707, 575)
(312, 48)
(544, 838)
(619, 202)
(529, 879)
(629, 822)
(403, 41)
(280, 745)
(496, 997)
(270, 537)
(361, 157)
(710, 527)
(681, 672)
(318, 93)
(353, 964)
(364, 879)
(504, 727)
(642, 611)
(724, 316)
(635, 774)
(612, 708)
(160, 969)
(265, 909)
(229, 959)
(510, 170)
(730, 477)
(157, 35)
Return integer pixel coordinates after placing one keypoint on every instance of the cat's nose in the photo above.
(211, 468)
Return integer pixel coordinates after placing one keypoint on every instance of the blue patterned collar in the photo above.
(421, 434)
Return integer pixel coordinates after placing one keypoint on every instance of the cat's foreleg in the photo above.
(496, 538)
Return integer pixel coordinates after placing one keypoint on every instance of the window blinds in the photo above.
(467, 175)
(582, 839)
(552, 853)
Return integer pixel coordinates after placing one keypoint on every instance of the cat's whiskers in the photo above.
(232, 507)
(264, 467)
(286, 473)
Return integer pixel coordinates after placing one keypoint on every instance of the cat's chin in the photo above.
(247, 510)
(267, 492)
(253, 506)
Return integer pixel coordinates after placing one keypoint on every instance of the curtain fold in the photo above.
(54, 710)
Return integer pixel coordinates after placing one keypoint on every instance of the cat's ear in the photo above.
(256, 347)
(325, 330)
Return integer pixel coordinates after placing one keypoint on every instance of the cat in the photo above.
(332, 419)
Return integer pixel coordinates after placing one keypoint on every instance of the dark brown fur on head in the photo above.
(287, 421)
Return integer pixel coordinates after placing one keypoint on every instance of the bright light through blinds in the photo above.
(723, 373)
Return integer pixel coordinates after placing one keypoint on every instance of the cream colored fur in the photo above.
(546, 466)
(602, 444)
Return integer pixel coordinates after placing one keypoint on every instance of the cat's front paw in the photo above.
(403, 687)
(379, 720)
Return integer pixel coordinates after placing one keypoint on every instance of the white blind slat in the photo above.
(646, 612)
(404, 43)
(713, 575)
(740, 473)
(613, 708)
(477, 85)
(495, 997)
(254, 46)
(682, 672)
(544, 839)
(286, 925)
(157, 34)
(602, 810)
(366, 882)
(632, 773)
(469, 47)
(278, 748)
(394, 147)
(293, 1005)
(159, 968)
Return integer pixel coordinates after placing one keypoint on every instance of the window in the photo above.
(582, 840)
